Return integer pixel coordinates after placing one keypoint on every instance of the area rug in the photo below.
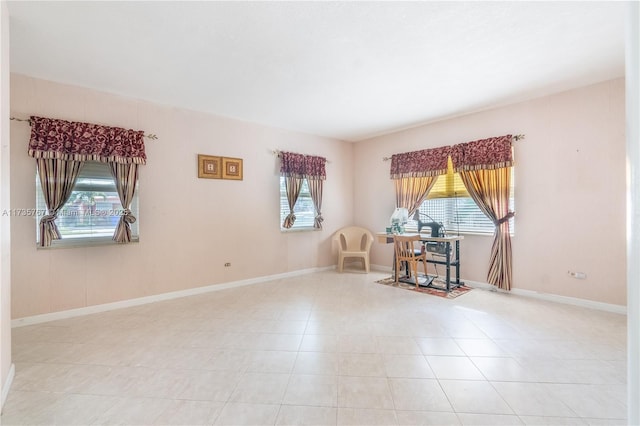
(437, 288)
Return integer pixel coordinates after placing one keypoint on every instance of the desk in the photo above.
(385, 238)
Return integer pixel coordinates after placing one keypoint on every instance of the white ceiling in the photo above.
(347, 70)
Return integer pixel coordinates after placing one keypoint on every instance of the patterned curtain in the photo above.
(485, 169)
(412, 191)
(295, 168)
(68, 140)
(57, 178)
(483, 154)
(428, 162)
(60, 147)
(414, 174)
(126, 178)
(316, 174)
(292, 168)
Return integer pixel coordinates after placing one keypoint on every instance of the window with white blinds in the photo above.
(449, 203)
(304, 210)
(93, 209)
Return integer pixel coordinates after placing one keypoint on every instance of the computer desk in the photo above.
(383, 237)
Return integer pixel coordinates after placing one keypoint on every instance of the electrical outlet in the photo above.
(577, 275)
(227, 264)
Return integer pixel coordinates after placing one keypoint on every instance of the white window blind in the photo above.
(304, 210)
(449, 203)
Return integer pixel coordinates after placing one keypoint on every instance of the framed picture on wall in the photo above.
(209, 167)
(232, 168)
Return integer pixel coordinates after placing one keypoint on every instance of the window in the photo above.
(304, 209)
(449, 202)
(93, 210)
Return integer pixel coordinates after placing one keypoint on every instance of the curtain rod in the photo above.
(515, 138)
(149, 136)
(276, 152)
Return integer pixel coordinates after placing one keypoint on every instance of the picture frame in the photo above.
(209, 167)
(232, 168)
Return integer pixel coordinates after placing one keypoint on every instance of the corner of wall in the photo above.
(7, 385)
(633, 211)
(6, 367)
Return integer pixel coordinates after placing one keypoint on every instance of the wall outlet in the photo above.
(227, 264)
(577, 275)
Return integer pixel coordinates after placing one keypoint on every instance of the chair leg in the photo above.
(366, 263)
(414, 266)
(340, 263)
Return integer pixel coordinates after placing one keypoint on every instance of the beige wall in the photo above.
(570, 198)
(5, 221)
(189, 227)
(569, 189)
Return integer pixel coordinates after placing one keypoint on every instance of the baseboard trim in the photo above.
(607, 307)
(7, 385)
(381, 268)
(71, 313)
(601, 306)
(584, 303)
(483, 286)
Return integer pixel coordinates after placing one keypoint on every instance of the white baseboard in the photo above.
(53, 316)
(7, 385)
(584, 303)
(381, 268)
(37, 319)
(607, 307)
(483, 286)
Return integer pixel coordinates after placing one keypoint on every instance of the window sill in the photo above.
(479, 234)
(455, 232)
(305, 229)
(83, 242)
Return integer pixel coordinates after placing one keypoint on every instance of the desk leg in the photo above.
(395, 267)
(448, 260)
(458, 262)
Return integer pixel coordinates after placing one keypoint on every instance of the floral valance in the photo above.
(315, 167)
(483, 154)
(69, 140)
(302, 166)
(291, 164)
(427, 162)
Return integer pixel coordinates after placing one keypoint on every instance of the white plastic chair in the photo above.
(353, 241)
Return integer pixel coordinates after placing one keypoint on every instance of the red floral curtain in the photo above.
(414, 174)
(316, 174)
(485, 169)
(292, 168)
(292, 165)
(295, 168)
(57, 178)
(315, 167)
(412, 191)
(484, 166)
(483, 154)
(75, 141)
(427, 162)
(126, 178)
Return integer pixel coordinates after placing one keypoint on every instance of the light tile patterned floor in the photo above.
(325, 348)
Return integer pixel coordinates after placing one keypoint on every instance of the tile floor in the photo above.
(325, 348)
